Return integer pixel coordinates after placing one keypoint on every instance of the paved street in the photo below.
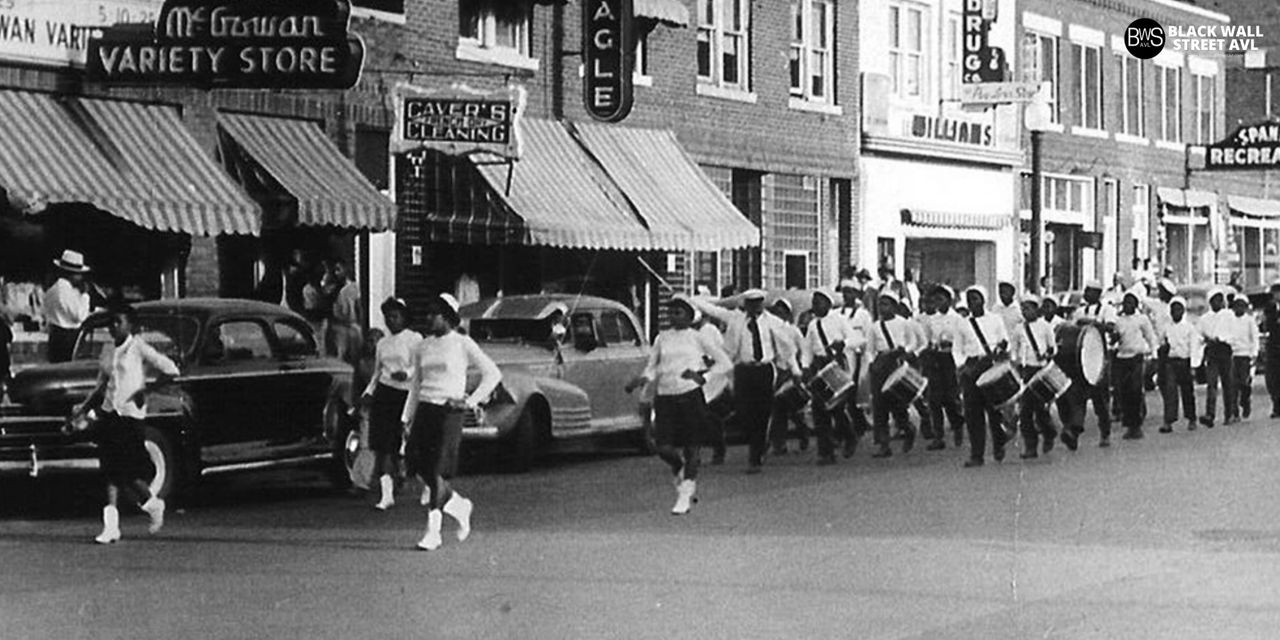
(1175, 536)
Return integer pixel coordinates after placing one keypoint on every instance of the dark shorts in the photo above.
(122, 453)
(385, 432)
(434, 441)
(680, 420)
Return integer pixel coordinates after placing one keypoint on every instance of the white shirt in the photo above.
(1011, 314)
(439, 372)
(1134, 335)
(1183, 339)
(900, 335)
(1099, 311)
(1023, 351)
(993, 330)
(1213, 325)
(1158, 311)
(394, 353)
(124, 368)
(678, 350)
(775, 346)
(836, 328)
(346, 305)
(1241, 332)
(65, 306)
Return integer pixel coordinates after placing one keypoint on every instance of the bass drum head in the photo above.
(1093, 355)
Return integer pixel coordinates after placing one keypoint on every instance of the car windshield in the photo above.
(510, 330)
(171, 335)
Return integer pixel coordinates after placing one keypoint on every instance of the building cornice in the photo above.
(968, 154)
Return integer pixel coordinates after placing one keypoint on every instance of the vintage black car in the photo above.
(253, 393)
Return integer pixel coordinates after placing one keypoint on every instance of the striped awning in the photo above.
(1187, 198)
(953, 219)
(684, 210)
(673, 12)
(1254, 206)
(179, 187)
(564, 198)
(298, 155)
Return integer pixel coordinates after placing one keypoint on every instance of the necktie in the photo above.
(757, 347)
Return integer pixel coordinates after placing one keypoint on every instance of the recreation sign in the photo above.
(458, 120)
(234, 44)
(1254, 146)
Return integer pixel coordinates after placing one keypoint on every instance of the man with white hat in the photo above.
(1271, 326)
(756, 342)
(983, 341)
(1032, 346)
(942, 326)
(1093, 310)
(1180, 340)
(830, 338)
(892, 342)
(66, 305)
(1135, 340)
(1215, 328)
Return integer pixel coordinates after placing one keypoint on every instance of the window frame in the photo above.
(1083, 120)
(952, 42)
(803, 48)
(1168, 117)
(717, 33)
(1127, 93)
(484, 45)
(1200, 80)
(1055, 110)
(901, 53)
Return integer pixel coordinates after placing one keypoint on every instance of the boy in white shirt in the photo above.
(1032, 347)
(1214, 327)
(1242, 333)
(1181, 339)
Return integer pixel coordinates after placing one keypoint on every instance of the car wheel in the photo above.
(645, 444)
(164, 459)
(344, 439)
(523, 444)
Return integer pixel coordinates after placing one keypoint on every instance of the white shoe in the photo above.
(388, 494)
(459, 508)
(431, 539)
(110, 526)
(684, 497)
(154, 508)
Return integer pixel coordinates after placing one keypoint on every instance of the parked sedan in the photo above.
(253, 393)
(556, 389)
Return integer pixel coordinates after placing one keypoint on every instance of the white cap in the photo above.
(1215, 291)
(1168, 285)
(753, 294)
(450, 300)
(784, 302)
(824, 294)
(888, 293)
(1178, 300)
(1093, 284)
(1030, 298)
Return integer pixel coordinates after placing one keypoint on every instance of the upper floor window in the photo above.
(1170, 88)
(1132, 95)
(1043, 51)
(641, 66)
(812, 46)
(1206, 108)
(1088, 62)
(951, 75)
(907, 29)
(495, 25)
(723, 43)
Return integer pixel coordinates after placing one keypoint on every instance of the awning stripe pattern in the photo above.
(180, 188)
(685, 211)
(1187, 198)
(328, 187)
(953, 219)
(564, 198)
(673, 12)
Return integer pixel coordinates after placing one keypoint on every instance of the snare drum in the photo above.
(904, 386)
(831, 386)
(1001, 385)
(1048, 384)
(1082, 352)
(791, 396)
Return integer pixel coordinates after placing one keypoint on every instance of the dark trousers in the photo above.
(753, 406)
(1242, 379)
(62, 343)
(979, 414)
(1074, 404)
(1126, 374)
(719, 410)
(783, 417)
(942, 395)
(1218, 371)
(1033, 416)
(1272, 376)
(1178, 383)
(881, 408)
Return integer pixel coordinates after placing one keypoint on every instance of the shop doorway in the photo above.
(955, 263)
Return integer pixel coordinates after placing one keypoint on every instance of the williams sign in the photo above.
(234, 44)
(1255, 146)
(608, 55)
(457, 120)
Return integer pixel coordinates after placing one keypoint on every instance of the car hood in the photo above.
(54, 386)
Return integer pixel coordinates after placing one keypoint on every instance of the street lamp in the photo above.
(1036, 117)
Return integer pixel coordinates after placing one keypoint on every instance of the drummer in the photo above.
(921, 404)
(829, 338)
(1032, 346)
(942, 325)
(783, 415)
(1135, 340)
(856, 313)
(982, 342)
(1094, 311)
(892, 342)
(1007, 306)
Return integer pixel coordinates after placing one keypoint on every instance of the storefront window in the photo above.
(1179, 251)
(1201, 254)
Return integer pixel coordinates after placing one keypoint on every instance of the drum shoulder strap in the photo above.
(1035, 346)
(981, 337)
(884, 328)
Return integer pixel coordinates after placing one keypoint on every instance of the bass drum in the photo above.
(1082, 352)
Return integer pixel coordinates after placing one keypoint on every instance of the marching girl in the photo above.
(434, 410)
(388, 389)
(675, 367)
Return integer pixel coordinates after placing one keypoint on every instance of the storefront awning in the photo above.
(673, 12)
(1254, 206)
(953, 219)
(1186, 198)
(180, 188)
(298, 155)
(685, 211)
(564, 198)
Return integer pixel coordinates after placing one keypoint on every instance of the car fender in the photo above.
(569, 406)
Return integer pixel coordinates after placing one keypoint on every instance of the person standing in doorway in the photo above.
(119, 402)
(387, 392)
(434, 410)
(345, 319)
(66, 305)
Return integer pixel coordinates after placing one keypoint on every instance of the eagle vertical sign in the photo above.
(608, 53)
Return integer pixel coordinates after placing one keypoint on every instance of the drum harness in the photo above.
(1035, 346)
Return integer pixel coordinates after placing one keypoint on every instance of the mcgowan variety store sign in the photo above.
(1255, 146)
(234, 44)
(457, 120)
